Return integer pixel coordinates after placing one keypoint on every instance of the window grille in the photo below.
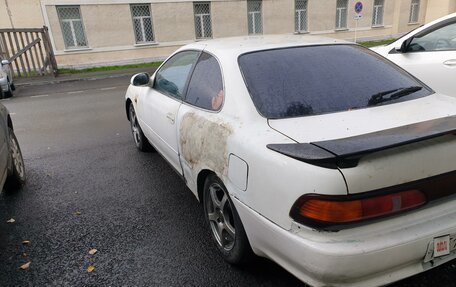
(203, 25)
(414, 11)
(377, 15)
(72, 26)
(142, 24)
(301, 16)
(341, 14)
(254, 17)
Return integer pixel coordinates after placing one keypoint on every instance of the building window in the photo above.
(341, 14)
(300, 16)
(142, 24)
(377, 15)
(203, 25)
(72, 26)
(254, 17)
(414, 11)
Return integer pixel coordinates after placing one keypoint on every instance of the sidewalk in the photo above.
(46, 80)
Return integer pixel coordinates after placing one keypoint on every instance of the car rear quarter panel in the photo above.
(274, 181)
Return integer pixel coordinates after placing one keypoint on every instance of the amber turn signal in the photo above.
(319, 210)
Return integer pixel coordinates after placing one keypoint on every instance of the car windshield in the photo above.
(312, 80)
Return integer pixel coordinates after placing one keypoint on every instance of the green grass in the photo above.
(109, 68)
(156, 64)
(369, 44)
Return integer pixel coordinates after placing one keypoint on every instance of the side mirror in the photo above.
(398, 47)
(140, 80)
(404, 46)
(5, 62)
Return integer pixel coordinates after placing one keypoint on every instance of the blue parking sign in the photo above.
(358, 7)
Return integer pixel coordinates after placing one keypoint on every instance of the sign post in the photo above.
(358, 16)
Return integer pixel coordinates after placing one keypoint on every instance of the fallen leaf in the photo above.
(25, 266)
(90, 268)
(26, 242)
(92, 251)
(77, 213)
(11, 220)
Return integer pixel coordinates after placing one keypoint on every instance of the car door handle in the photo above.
(170, 117)
(451, 62)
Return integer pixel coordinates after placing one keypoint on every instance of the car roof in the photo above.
(240, 45)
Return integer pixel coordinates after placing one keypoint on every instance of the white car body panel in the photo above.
(157, 114)
(205, 140)
(435, 68)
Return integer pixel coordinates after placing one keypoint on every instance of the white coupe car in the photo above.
(316, 153)
(429, 53)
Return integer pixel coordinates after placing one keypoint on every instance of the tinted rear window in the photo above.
(312, 80)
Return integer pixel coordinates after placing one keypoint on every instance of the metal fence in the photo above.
(28, 50)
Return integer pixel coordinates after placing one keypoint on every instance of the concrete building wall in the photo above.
(24, 14)
(173, 21)
(229, 18)
(110, 33)
(439, 8)
(278, 16)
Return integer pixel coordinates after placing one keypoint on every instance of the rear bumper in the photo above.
(372, 255)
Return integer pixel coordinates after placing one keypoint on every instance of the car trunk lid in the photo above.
(381, 146)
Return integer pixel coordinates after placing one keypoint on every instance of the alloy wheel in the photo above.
(16, 155)
(134, 126)
(220, 215)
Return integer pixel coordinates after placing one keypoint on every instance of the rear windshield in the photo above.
(312, 80)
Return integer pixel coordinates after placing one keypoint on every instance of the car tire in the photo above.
(141, 142)
(16, 178)
(224, 223)
(9, 92)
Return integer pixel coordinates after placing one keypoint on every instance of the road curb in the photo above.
(57, 81)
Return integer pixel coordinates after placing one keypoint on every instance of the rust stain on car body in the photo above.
(204, 142)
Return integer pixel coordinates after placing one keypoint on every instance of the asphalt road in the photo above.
(88, 187)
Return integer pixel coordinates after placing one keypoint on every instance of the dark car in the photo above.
(12, 171)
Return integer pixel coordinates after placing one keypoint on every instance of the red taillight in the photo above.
(315, 210)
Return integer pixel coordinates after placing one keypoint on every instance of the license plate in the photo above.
(440, 246)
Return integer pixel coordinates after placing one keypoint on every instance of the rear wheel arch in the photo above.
(201, 179)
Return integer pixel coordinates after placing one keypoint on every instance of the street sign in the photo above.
(358, 17)
(358, 7)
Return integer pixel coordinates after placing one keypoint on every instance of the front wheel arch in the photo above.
(127, 108)
(9, 122)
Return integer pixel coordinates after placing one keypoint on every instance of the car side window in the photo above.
(173, 75)
(439, 40)
(205, 89)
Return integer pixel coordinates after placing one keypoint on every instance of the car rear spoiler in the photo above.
(346, 152)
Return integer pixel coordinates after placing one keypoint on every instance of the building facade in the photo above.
(87, 33)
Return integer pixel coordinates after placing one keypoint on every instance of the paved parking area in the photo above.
(88, 187)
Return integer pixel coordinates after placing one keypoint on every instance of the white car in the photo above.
(429, 53)
(316, 153)
(6, 80)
